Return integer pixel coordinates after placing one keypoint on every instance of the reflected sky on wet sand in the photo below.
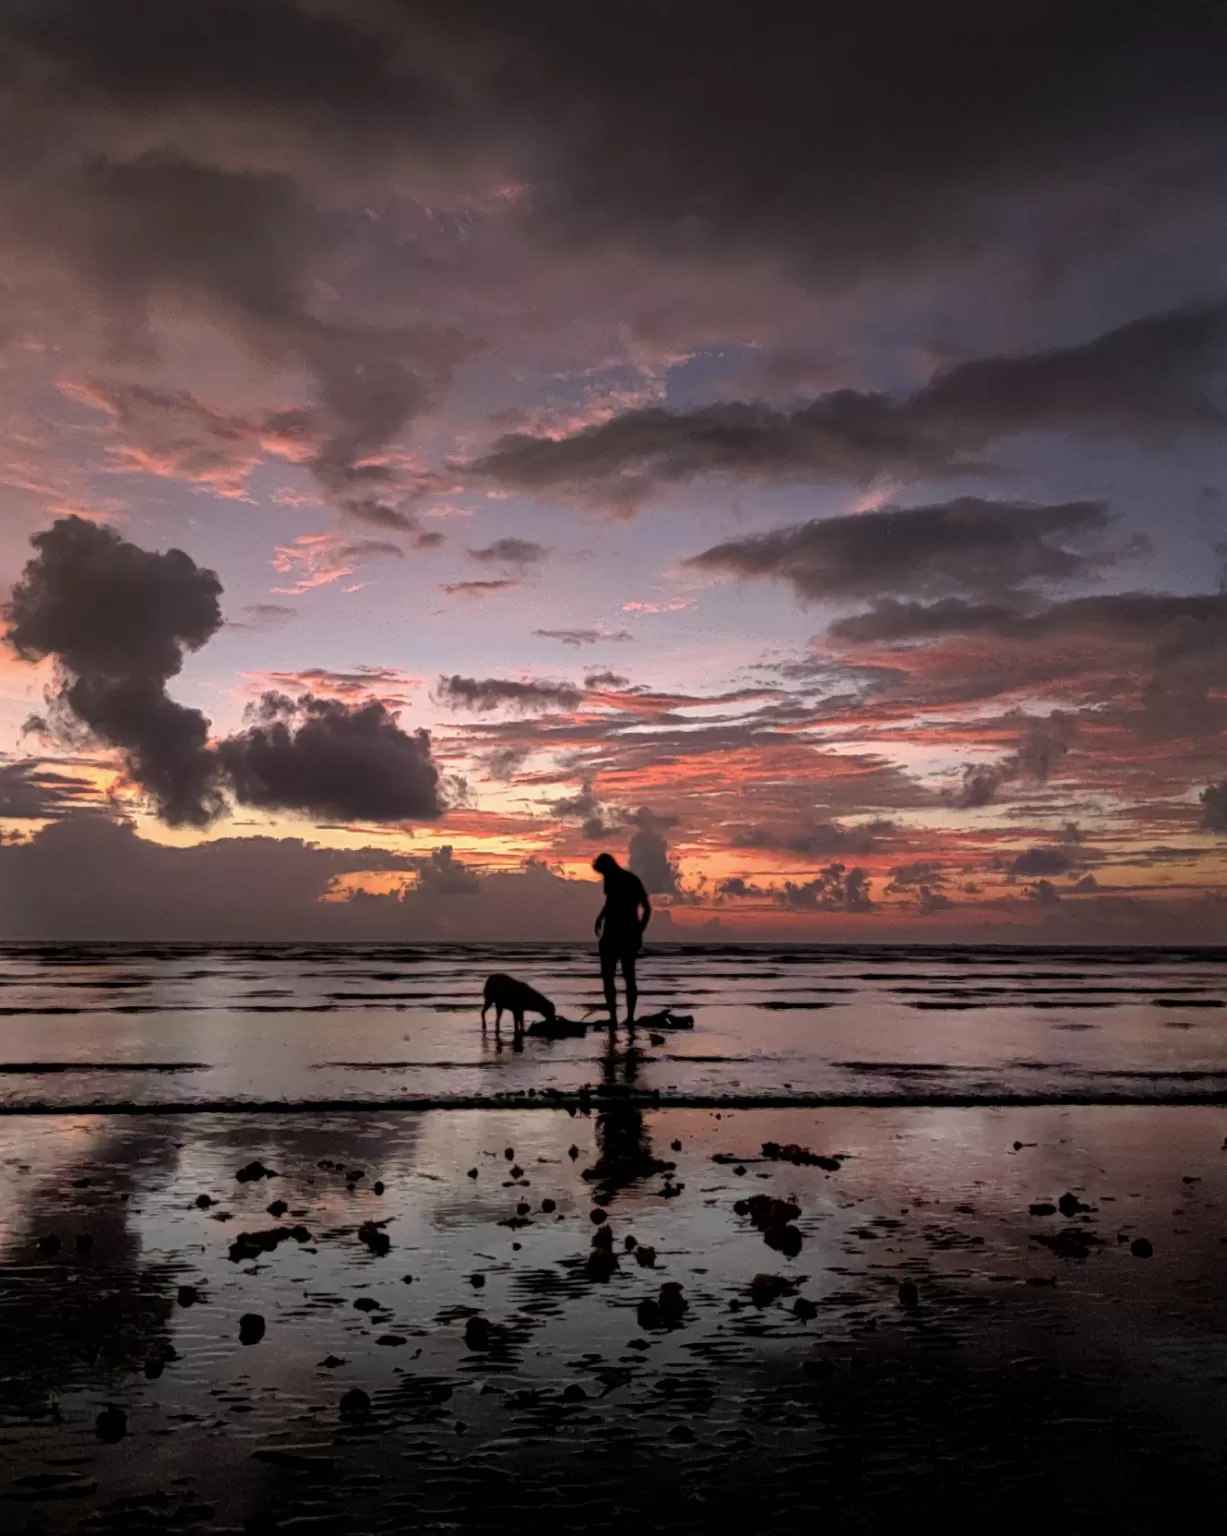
(603, 1306)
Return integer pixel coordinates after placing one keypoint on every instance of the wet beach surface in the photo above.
(400, 1317)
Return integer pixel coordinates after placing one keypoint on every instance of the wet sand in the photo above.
(901, 1339)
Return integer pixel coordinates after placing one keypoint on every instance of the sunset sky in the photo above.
(783, 445)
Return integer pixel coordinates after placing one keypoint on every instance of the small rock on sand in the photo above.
(278, 1208)
(477, 1333)
(355, 1405)
(1070, 1205)
(673, 1305)
(187, 1296)
(111, 1425)
(909, 1296)
(645, 1254)
(251, 1328)
(376, 1239)
(804, 1309)
(49, 1244)
(84, 1242)
(765, 1289)
(1141, 1248)
(254, 1170)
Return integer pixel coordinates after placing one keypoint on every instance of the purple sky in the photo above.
(786, 449)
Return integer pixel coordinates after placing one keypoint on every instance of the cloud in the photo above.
(266, 616)
(477, 588)
(1042, 746)
(922, 873)
(605, 680)
(584, 636)
(318, 559)
(818, 838)
(930, 901)
(442, 874)
(963, 545)
(332, 760)
(834, 889)
(595, 820)
(37, 790)
(517, 552)
(172, 434)
(88, 877)
(1041, 861)
(118, 619)
(1044, 893)
(1152, 375)
(1214, 807)
(648, 853)
(484, 694)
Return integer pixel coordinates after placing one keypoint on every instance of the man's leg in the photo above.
(632, 986)
(609, 962)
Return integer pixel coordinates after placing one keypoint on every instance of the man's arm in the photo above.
(647, 909)
(600, 920)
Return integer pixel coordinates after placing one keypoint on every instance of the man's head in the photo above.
(605, 864)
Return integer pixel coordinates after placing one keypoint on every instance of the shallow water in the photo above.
(116, 1025)
(1046, 1370)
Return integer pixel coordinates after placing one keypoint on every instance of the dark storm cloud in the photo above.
(519, 552)
(606, 680)
(482, 694)
(1151, 376)
(583, 636)
(634, 124)
(1214, 807)
(333, 760)
(35, 790)
(963, 545)
(118, 619)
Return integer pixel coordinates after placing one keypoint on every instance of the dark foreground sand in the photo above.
(1031, 1382)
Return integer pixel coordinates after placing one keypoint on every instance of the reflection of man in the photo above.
(619, 931)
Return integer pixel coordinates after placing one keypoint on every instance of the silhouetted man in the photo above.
(619, 931)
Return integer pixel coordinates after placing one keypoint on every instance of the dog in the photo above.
(517, 998)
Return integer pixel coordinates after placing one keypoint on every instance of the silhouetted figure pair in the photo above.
(619, 931)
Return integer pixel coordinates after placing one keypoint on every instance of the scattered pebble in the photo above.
(909, 1296)
(376, 1239)
(111, 1425)
(355, 1405)
(187, 1296)
(1141, 1248)
(251, 1328)
(255, 1170)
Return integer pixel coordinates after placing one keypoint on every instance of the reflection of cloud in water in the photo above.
(70, 1318)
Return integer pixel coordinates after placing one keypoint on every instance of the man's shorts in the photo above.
(618, 948)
